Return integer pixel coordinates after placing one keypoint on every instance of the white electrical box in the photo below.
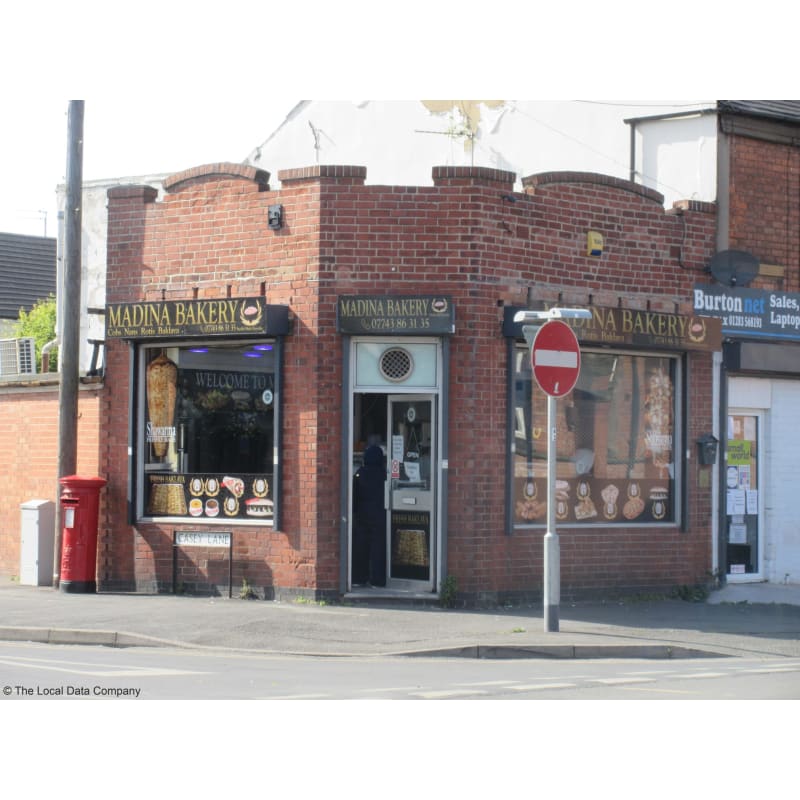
(37, 539)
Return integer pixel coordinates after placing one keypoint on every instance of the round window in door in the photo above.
(396, 364)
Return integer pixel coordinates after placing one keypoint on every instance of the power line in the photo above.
(594, 150)
(644, 105)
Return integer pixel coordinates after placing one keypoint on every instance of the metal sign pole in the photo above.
(552, 555)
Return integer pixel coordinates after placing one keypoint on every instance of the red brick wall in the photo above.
(765, 205)
(29, 443)
(462, 239)
(208, 238)
(459, 237)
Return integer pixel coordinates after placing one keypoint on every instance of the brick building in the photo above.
(755, 292)
(259, 340)
(486, 250)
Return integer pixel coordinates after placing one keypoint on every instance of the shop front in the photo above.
(204, 425)
(243, 445)
(621, 433)
(397, 401)
(759, 537)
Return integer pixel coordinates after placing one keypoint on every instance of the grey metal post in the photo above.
(552, 556)
(552, 553)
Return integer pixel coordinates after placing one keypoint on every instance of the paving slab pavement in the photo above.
(735, 620)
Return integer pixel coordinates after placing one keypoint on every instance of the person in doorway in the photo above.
(369, 529)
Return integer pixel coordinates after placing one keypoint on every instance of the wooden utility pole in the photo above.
(70, 321)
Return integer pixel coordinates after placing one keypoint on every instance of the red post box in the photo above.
(80, 508)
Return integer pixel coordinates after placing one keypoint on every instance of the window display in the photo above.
(615, 437)
(208, 432)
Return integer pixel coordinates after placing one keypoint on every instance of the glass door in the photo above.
(412, 518)
(744, 496)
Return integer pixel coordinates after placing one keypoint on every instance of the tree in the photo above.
(40, 324)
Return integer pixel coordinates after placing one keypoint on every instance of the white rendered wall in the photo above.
(678, 157)
(400, 141)
(782, 545)
(94, 225)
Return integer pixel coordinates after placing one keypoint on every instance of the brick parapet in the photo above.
(531, 183)
(502, 179)
(696, 206)
(146, 194)
(324, 172)
(217, 171)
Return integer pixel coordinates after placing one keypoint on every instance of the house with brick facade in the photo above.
(753, 287)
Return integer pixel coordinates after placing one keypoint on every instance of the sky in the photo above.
(165, 90)
(122, 137)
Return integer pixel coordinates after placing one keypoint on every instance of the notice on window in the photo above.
(752, 501)
(744, 476)
(736, 502)
(412, 470)
(737, 534)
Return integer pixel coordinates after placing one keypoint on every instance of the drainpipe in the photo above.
(46, 354)
(632, 172)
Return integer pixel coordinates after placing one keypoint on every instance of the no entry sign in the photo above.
(556, 358)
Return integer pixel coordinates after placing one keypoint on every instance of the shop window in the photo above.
(616, 434)
(207, 440)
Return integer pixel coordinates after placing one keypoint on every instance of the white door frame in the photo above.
(432, 391)
(760, 416)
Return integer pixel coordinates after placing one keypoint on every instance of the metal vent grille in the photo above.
(396, 364)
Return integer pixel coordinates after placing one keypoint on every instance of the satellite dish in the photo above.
(734, 267)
